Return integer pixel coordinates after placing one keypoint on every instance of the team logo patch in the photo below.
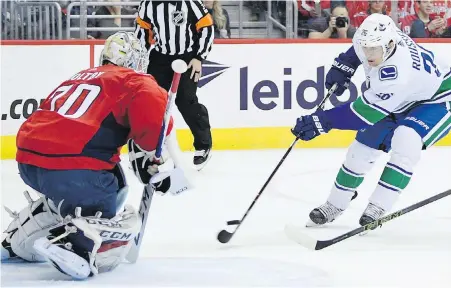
(178, 18)
(388, 73)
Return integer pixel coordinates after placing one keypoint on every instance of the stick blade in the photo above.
(295, 233)
(224, 236)
(234, 222)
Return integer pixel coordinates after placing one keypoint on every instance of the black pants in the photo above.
(194, 113)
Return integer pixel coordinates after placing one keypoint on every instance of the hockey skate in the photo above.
(371, 214)
(201, 157)
(325, 213)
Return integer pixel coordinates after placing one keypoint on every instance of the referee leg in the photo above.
(194, 113)
(160, 69)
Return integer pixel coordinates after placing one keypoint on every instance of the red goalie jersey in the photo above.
(86, 120)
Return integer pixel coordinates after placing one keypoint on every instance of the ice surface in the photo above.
(180, 247)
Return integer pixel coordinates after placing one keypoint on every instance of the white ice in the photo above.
(180, 247)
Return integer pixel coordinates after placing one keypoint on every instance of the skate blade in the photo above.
(201, 166)
(311, 224)
(64, 261)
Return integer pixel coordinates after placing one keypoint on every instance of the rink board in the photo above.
(254, 89)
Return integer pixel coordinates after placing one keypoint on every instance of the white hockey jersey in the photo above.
(410, 76)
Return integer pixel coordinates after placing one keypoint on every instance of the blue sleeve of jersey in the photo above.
(343, 118)
(352, 58)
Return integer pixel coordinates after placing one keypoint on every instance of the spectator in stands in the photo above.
(75, 22)
(335, 26)
(447, 33)
(221, 18)
(362, 9)
(424, 26)
(377, 6)
(258, 9)
(312, 9)
(118, 11)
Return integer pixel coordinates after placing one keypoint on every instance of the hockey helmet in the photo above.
(125, 49)
(376, 38)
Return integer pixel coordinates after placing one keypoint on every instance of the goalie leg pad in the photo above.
(32, 222)
(110, 243)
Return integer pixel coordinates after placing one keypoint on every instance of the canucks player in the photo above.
(406, 109)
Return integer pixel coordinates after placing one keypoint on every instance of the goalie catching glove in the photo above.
(160, 173)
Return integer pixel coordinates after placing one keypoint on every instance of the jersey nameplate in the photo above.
(388, 73)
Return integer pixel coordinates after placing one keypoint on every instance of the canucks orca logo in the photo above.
(210, 70)
(389, 72)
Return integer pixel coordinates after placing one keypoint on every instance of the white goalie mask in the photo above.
(376, 38)
(124, 49)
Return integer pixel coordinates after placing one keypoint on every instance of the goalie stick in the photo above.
(224, 236)
(294, 232)
(179, 67)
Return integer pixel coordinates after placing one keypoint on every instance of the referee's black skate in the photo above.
(201, 158)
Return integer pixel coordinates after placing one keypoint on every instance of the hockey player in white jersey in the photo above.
(406, 109)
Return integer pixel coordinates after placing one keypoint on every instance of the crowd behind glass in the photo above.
(316, 19)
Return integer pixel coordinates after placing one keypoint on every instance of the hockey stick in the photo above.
(179, 67)
(224, 236)
(294, 233)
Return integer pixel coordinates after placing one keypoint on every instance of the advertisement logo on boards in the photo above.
(264, 94)
(210, 70)
(21, 108)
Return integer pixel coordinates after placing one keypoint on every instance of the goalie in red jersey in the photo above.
(68, 151)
